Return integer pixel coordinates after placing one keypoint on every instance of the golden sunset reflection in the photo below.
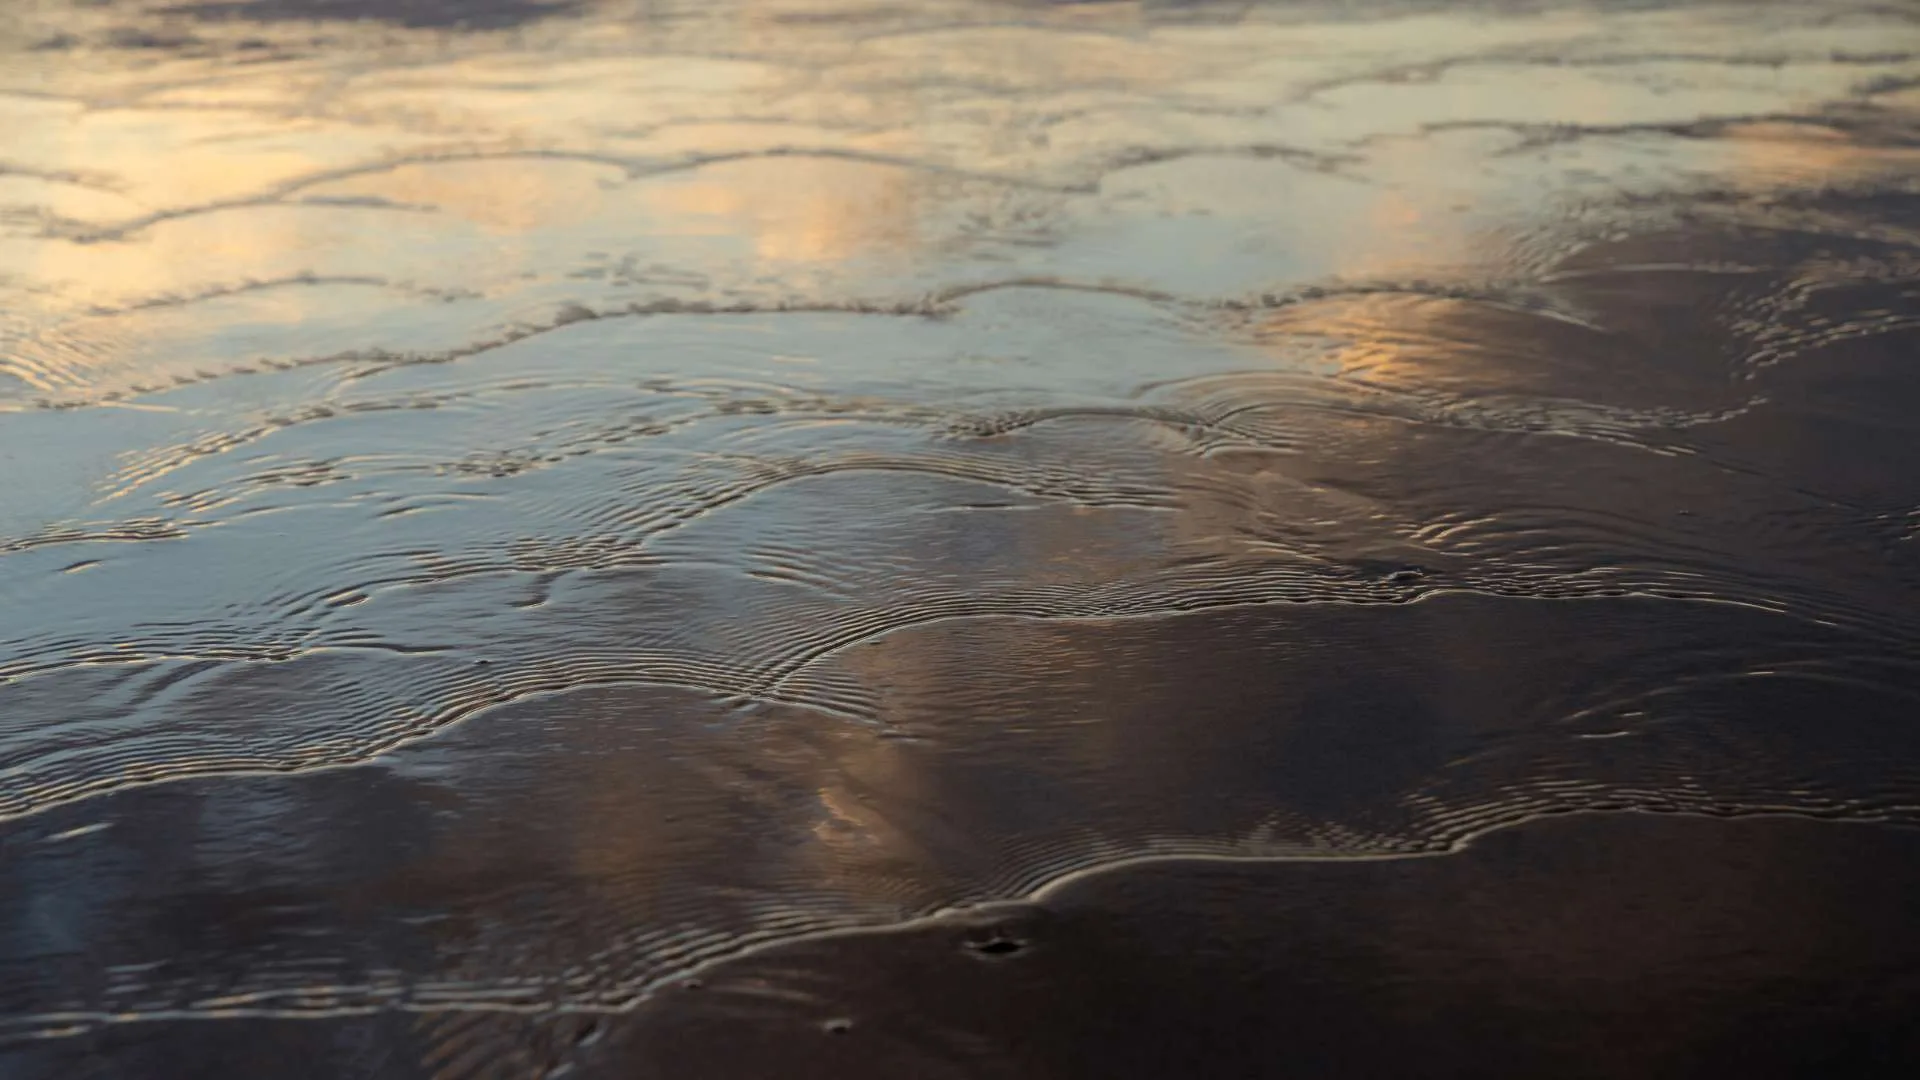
(794, 210)
(202, 145)
(804, 162)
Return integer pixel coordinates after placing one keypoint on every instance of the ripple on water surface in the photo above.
(524, 514)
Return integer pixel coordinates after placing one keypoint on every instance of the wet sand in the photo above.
(1583, 946)
(967, 538)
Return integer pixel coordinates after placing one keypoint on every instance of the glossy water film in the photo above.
(512, 509)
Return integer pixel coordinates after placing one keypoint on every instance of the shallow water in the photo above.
(510, 507)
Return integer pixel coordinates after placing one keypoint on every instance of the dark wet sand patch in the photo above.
(1609, 946)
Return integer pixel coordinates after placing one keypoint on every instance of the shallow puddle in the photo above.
(510, 510)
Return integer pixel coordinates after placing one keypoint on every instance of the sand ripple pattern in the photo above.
(527, 529)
